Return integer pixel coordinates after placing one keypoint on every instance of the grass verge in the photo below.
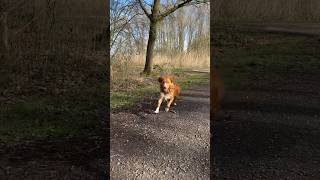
(74, 114)
(262, 57)
(125, 99)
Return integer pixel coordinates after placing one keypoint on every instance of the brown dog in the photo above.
(169, 91)
(216, 91)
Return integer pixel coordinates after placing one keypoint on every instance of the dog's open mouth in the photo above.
(165, 89)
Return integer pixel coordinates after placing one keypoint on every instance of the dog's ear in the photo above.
(172, 78)
(160, 79)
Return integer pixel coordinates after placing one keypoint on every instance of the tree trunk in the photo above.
(180, 19)
(181, 39)
(151, 41)
(5, 35)
(155, 17)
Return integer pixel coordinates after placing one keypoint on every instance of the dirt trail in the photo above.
(306, 29)
(164, 145)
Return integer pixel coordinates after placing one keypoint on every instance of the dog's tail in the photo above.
(178, 90)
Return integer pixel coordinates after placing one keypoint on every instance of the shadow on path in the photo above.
(165, 145)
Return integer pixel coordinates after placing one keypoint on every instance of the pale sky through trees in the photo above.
(190, 18)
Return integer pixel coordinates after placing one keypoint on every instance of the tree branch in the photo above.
(144, 9)
(19, 4)
(123, 26)
(174, 8)
(27, 24)
(184, 3)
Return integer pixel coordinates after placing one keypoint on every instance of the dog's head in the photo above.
(165, 83)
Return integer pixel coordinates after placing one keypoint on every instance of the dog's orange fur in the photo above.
(169, 91)
(216, 91)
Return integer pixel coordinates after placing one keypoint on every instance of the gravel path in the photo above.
(273, 133)
(165, 145)
(307, 29)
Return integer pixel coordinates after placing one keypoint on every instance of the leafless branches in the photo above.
(122, 17)
(169, 10)
(181, 31)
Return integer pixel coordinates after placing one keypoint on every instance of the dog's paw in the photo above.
(156, 111)
(166, 109)
(173, 111)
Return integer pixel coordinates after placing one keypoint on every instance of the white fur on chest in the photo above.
(165, 96)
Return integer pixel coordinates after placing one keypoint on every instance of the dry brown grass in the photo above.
(125, 70)
(188, 60)
(267, 10)
(52, 43)
(129, 85)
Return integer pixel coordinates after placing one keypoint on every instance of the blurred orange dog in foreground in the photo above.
(169, 91)
(216, 92)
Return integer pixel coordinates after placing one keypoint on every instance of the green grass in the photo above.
(126, 99)
(266, 57)
(74, 114)
(193, 79)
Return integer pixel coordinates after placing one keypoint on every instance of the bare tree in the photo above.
(121, 15)
(155, 16)
(191, 31)
(5, 34)
(181, 28)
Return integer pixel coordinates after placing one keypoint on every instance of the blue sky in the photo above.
(164, 1)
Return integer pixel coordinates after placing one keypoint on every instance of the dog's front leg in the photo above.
(159, 104)
(169, 104)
